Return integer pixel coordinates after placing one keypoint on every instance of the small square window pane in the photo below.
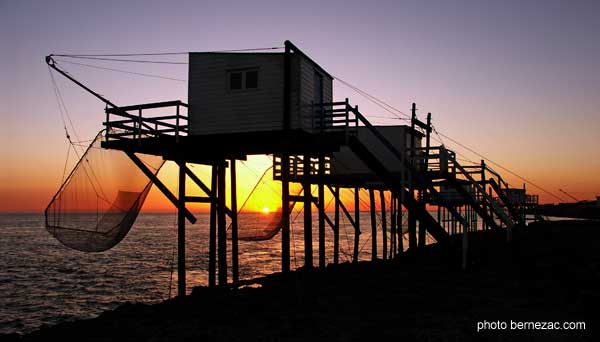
(235, 80)
(252, 79)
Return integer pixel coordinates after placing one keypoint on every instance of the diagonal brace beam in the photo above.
(160, 185)
(346, 212)
(204, 188)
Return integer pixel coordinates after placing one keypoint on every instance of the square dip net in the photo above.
(98, 203)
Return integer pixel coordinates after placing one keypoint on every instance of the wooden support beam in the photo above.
(336, 227)
(344, 209)
(483, 185)
(205, 188)
(412, 230)
(198, 199)
(222, 228)
(328, 221)
(465, 241)
(181, 233)
(439, 214)
(212, 235)
(296, 198)
(198, 181)
(321, 206)
(373, 225)
(234, 225)
(490, 208)
(357, 224)
(393, 236)
(160, 185)
(422, 230)
(308, 248)
(285, 213)
(384, 240)
(287, 87)
(399, 223)
(412, 221)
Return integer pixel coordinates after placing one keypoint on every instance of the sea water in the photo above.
(43, 282)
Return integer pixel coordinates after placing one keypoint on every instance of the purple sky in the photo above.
(518, 81)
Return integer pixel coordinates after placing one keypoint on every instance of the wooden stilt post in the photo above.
(443, 219)
(399, 223)
(357, 222)
(336, 229)
(412, 231)
(465, 240)
(222, 228)
(439, 215)
(234, 225)
(483, 185)
(383, 224)
(321, 212)
(422, 230)
(212, 239)
(373, 225)
(308, 248)
(522, 205)
(285, 213)
(393, 249)
(181, 291)
(451, 222)
(285, 159)
(412, 222)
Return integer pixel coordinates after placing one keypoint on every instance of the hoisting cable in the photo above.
(166, 53)
(124, 71)
(369, 96)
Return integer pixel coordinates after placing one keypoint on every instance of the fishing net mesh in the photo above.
(259, 217)
(99, 201)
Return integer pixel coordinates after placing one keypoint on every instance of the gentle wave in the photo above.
(45, 283)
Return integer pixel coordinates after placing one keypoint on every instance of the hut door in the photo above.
(318, 98)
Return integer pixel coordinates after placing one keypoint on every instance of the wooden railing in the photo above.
(437, 158)
(334, 116)
(131, 122)
(297, 166)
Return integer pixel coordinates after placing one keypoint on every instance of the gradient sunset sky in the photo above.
(518, 81)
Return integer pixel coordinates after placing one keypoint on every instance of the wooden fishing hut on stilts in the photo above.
(281, 104)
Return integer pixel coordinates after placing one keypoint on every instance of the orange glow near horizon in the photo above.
(15, 197)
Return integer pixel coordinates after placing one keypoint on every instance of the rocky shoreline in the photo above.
(549, 273)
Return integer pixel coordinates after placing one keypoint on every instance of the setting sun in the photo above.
(266, 210)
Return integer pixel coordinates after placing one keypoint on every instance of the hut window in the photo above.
(251, 79)
(235, 80)
(243, 79)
